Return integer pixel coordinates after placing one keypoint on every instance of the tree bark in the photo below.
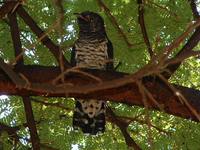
(127, 93)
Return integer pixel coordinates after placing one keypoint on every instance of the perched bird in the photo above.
(91, 50)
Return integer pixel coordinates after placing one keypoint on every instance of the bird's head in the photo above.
(90, 22)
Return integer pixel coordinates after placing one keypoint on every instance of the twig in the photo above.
(163, 57)
(46, 41)
(75, 70)
(191, 43)
(114, 22)
(147, 117)
(163, 8)
(152, 98)
(153, 126)
(60, 16)
(181, 58)
(18, 57)
(167, 50)
(135, 119)
(118, 65)
(181, 98)
(143, 27)
(16, 6)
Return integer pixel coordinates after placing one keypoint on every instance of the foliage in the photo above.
(165, 20)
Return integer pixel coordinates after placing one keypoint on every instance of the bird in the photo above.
(92, 50)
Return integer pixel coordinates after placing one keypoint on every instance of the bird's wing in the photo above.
(110, 64)
(73, 54)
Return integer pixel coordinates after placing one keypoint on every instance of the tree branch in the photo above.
(123, 127)
(191, 43)
(31, 123)
(16, 38)
(142, 26)
(6, 8)
(39, 33)
(114, 22)
(128, 93)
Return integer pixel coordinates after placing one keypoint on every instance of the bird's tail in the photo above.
(89, 125)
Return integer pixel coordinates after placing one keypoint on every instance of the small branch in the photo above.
(60, 16)
(181, 58)
(31, 123)
(147, 117)
(150, 96)
(181, 97)
(118, 65)
(168, 49)
(135, 119)
(142, 26)
(75, 69)
(39, 33)
(114, 22)
(163, 8)
(191, 43)
(33, 45)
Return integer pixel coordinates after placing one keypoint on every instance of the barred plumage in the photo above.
(92, 50)
(91, 54)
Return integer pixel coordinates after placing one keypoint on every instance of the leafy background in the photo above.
(165, 20)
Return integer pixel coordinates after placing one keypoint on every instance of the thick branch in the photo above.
(31, 123)
(16, 37)
(6, 8)
(125, 93)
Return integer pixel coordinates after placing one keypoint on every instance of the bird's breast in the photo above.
(91, 54)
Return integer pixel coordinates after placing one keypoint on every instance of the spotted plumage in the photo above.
(91, 50)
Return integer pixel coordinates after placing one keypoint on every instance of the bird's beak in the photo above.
(81, 17)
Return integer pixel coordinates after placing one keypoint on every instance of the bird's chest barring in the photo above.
(91, 55)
